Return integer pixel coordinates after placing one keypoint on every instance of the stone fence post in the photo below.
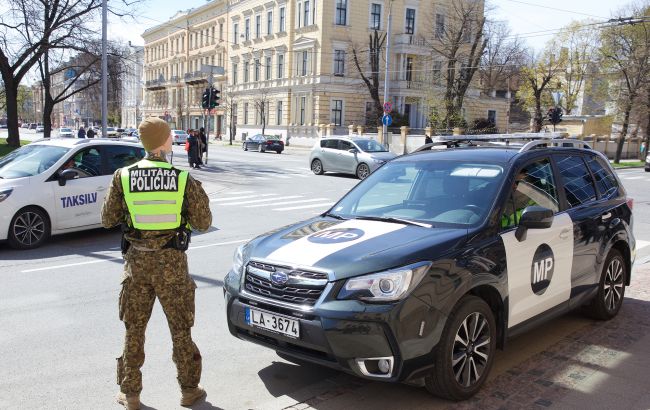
(351, 129)
(360, 130)
(404, 131)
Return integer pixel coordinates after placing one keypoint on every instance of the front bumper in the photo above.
(343, 334)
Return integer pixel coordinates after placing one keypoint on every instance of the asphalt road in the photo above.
(58, 305)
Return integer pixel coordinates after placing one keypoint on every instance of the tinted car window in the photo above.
(605, 181)
(578, 185)
(345, 145)
(86, 162)
(333, 144)
(121, 156)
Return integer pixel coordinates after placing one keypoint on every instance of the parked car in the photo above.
(57, 186)
(25, 125)
(434, 261)
(66, 132)
(647, 163)
(179, 137)
(356, 156)
(40, 128)
(111, 132)
(32, 126)
(263, 143)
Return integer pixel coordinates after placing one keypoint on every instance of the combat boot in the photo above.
(129, 401)
(190, 396)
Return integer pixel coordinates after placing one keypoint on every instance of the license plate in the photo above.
(272, 322)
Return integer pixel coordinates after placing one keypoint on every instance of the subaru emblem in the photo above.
(279, 278)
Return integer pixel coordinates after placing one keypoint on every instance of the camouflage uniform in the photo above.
(151, 272)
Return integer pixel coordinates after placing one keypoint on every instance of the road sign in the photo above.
(386, 120)
(388, 107)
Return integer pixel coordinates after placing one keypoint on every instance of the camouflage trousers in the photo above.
(163, 275)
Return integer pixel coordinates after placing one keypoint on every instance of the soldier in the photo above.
(157, 206)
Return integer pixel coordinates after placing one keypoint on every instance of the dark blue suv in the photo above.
(431, 263)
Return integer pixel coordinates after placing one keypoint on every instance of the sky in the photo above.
(525, 17)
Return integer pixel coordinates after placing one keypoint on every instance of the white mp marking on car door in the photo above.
(321, 244)
(539, 269)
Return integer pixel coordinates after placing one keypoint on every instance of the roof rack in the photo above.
(524, 141)
(555, 143)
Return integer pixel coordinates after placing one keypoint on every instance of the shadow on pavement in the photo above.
(282, 379)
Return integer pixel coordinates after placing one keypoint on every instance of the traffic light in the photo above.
(214, 98)
(205, 101)
(554, 115)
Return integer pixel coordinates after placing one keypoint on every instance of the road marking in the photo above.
(240, 192)
(291, 208)
(119, 259)
(224, 199)
(301, 175)
(290, 202)
(641, 244)
(259, 200)
(281, 176)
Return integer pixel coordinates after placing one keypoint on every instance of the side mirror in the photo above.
(533, 217)
(66, 175)
(353, 150)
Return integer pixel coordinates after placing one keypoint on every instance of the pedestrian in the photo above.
(81, 133)
(90, 133)
(193, 151)
(204, 143)
(157, 206)
(428, 140)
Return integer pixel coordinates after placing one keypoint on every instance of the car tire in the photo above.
(317, 167)
(29, 228)
(611, 287)
(363, 170)
(279, 151)
(647, 169)
(458, 381)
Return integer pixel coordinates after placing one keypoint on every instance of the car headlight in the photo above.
(387, 286)
(4, 194)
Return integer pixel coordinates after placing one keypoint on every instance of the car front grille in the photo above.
(301, 287)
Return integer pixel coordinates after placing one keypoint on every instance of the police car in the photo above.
(55, 186)
(436, 259)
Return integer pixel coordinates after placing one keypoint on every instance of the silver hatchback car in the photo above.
(357, 156)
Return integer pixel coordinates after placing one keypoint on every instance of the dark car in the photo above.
(435, 260)
(263, 143)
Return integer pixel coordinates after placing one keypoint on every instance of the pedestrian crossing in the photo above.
(264, 175)
(273, 202)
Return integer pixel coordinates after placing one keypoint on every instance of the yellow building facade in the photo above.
(289, 64)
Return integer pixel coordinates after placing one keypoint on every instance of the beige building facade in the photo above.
(289, 64)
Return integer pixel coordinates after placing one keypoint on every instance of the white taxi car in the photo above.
(57, 186)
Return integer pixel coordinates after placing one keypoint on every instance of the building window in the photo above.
(492, 116)
(221, 31)
(269, 23)
(341, 15)
(234, 73)
(305, 58)
(247, 30)
(339, 62)
(257, 69)
(306, 12)
(440, 25)
(278, 115)
(267, 73)
(245, 113)
(409, 70)
(212, 37)
(299, 16)
(410, 21)
(303, 107)
(281, 66)
(375, 16)
(258, 26)
(337, 112)
(467, 33)
(235, 33)
(246, 72)
(282, 19)
(436, 72)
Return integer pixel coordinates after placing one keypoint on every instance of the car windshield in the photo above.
(66, 130)
(178, 132)
(438, 193)
(110, 129)
(272, 137)
(370, 146)
(30, 160)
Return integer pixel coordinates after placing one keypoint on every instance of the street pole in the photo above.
(207, 123)
(104, 68)
(386, 79)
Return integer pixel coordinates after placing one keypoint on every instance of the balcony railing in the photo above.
(155, 84)
(196, 77)
(411, 44)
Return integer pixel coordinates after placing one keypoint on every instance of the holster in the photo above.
(181, 241)
(124, 243)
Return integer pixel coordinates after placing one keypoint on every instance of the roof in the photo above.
(500, 155)
(73, 142)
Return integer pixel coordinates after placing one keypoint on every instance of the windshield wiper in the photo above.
(335, 216)
(393, 219)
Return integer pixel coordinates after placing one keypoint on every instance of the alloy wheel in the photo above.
(29, 228)
(613, 286)
(363, 171)
(316, 167)
(470, 352)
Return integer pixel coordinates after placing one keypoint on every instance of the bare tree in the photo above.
(371, 79)
(457, 36)
(261, 103)
(503, 57)
(625, 49)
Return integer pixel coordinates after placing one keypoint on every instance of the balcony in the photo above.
(154, 85)
(196, 77)
(174, 79)
(410, 44)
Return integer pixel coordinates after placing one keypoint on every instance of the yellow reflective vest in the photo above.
(154, 193)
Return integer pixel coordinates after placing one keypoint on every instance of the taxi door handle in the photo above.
(606, 216)
(564, 233)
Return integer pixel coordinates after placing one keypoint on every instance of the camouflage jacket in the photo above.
(196, 211)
